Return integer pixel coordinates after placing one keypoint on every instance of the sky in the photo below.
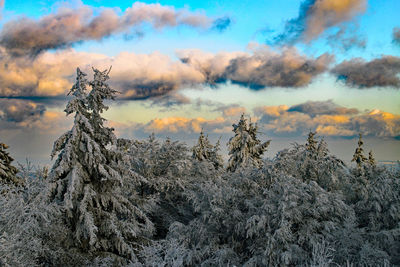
(292, 66)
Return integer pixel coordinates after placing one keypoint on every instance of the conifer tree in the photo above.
(201, 151)
(205, 151)
(215, 157)
(311, 144)
(371, 159)
(358, 156)
(7, 171)
(245, 148)
(86, 177)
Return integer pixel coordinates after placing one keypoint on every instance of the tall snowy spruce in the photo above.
(7, 171)
(86, 177)
(358, 156)
(245, 149)
(205, 151)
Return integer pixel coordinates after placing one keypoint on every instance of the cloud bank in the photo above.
(333, 120)
(263, 68)
(143, 76)
(67, 27)
(325, 117)
(17, 111)
(380, 72)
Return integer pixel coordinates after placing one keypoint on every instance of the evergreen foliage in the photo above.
(205, 151)
(245, 149)
(121, 202)
(311, 144)
(86, 178)
(371, 159)
(358, 156)
(312, 162)
(7, 171)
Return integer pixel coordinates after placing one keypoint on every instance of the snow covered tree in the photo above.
(205, 151)
(371, 159)
(165, 167)
(249, 218)
(202, 148)
(7, 171)
(311, 144)
(358, 155)
(312, 163)
(86, 177)
(215, 157)
(245, 148)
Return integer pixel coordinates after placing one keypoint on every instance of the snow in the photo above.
(119, 202)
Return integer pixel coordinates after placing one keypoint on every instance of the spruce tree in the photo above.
(215, 157)
(245, 148)
(311, 144)
(7, 171)
(358, 156)
(201, 151)
(371, 159)
(86, 177)
(205, 151)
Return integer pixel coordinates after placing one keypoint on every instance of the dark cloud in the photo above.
(12, 110)
(345, 39)
(48, 101)
(314, 108)
(380, 72)
(316, 16)
(221, 24)
(283, 70)
(264, 68)
(25, 36)
(396, 35)
(170, 101)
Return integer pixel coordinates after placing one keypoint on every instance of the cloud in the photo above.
(327, 118)
(221, 24)
(314, 108)
(345, 39)
(30, 117)
(1, 8)
(316, 16)
(157, 76)
(12, 110)
(67, 27)
(396, 35)
(380, 72)
(135, 76)
(233, 110)
(145, 76)
(170, 101)
(280, 121)
(264, 68)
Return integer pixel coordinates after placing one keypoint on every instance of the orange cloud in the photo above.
(234, 111)
(334, 121)
(182, 124)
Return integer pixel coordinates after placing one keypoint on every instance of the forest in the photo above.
(109, 201)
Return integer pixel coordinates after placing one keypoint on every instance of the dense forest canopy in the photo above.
(109, 201)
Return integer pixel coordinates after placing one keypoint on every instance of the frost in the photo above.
(109, 201)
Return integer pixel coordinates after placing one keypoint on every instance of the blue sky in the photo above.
(250, 72)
